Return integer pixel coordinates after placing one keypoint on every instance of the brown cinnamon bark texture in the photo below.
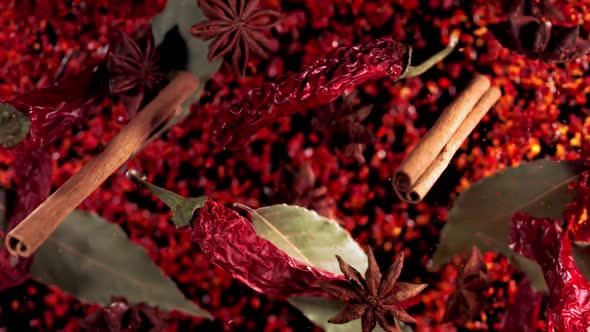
(24, 239)
(426, 162)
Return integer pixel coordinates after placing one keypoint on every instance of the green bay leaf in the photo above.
(94, 260)
(171, 28)
(315, 240)
(481, 216)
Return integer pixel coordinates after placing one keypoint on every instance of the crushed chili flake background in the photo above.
(542, 113)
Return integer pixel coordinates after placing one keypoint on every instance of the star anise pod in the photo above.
(536, 8)
(467, 299)
(526, 32)
(133, 72)
(341, 124)
(238, 27)
(377, 298)
(299, 188)
(119, 316)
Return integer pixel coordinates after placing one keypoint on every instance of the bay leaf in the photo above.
(308, 237)
(315, 240)
(94, 260)
(172, 25)
(581, 255)
(481, 216)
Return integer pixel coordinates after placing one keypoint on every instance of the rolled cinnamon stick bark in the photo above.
(441, 162)
(438, 136)
(25, 238)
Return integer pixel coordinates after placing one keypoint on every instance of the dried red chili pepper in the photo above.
(53, 110)
(576, 212)
(33, 183)
(319, 83)
(543, 240)
(523, 312)
(230, 242)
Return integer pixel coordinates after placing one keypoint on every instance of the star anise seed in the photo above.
(466, 301)
(374, 299)
(238, 28)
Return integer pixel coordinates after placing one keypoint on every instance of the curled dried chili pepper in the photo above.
(230, 242)
(319, 83)
(33, 170)
(543, 240)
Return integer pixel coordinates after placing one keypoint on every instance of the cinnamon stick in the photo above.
(438, 136)
(24, 239)
(441, 162)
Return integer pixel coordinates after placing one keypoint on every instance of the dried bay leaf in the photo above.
(482, 214)
(315, 240)
(171, 31)
(94, 260)
(581, 255)
(308, 237)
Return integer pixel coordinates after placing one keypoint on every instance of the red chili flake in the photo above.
(522, 313)
(319, 83)
(230, 242)
(543, 240)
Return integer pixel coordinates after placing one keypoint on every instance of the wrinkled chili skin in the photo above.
(33, 183)
(55, 109)
(320, 83)
(230, 242)
(542, 240)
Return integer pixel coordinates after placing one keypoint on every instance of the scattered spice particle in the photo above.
(541, 100)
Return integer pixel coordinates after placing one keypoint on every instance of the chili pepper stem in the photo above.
(183, 208)
(413, 71)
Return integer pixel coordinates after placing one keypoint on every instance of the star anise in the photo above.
(299, 188)
(341, 124)
(376, 299)
(467, 299)
(238, 28)
(536, 8)
(119, 316)
(133, 72)
(526, 31)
